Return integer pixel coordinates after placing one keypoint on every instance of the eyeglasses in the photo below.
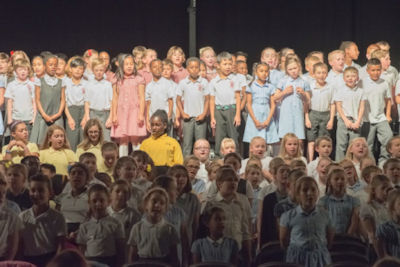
(93, 132)
(202, 148)
(193, 167)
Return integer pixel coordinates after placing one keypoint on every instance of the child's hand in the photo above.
(177, 123)
(356, 125)
(83, 122)
(266, 123)
(11, 144)
(54, 117)
(32, 121)
(349, 124)
(236, 122)
(148, 127)
(300, 90)
(258, 125)
(389, 119)
(200, 118)
(329, 126)
(71, 124)
(185, 116)
(20, 144)
(140, 120)
(108, 123)
(308, 123)
(213, 123)
(47, 118)
(9, 121)
(115, 121)
(288, 90)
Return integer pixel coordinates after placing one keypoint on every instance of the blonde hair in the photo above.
(282, 150)
(227, 141)
(136, 51)
(14, 57)
(310, 59)
(96, 62)
(293, 59)
(46, 143)
(23, 63)
(300, 182)
(379, 54)
(333, 53)
(85, 144)
(349, 154)
(390, 143)
(250, 167)
(255, 138)
(204, 49)
(174, 49)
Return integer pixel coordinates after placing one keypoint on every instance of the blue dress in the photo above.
(308, 244)
(261, 96)
(291, 116)
(390, 233)
(221, 250)
(340, 210)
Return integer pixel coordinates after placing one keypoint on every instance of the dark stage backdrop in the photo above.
(72, 26)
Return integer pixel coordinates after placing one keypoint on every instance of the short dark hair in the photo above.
(49, 167)
(234, 155)
(373, 62)
(87, 155)
(41, 178)
(180, 168)
(241, 53)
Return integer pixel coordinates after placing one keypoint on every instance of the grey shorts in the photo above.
(319, 120)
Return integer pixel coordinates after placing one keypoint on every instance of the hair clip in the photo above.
(11, 52)
(148, 169)
(89, 52)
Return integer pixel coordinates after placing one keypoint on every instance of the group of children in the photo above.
(165, 198)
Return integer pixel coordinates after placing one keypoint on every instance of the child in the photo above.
(351, 53)
(98, 99)
(350, 102)
(145, 169)
(357, 151)
(207, 55)
(254, 176)
(176, 216)
(50, 101)
(377, 95)
(93, 140)
(323, 146)
(391, 169)
(269, 56)
(387, 75)
(164, 150)
(304, 244)
(268, 228)
(292, 91)
(268, 189)
(177, 56)
(61, 66)
(343, 209)
(215, 247)
(19, 146)
(335, 75)
(109, 153)
(227, 146)
(149, 55)
(58, 181)
(195, 107)
(290, 148)
(38, 68)
(101, 238)
(32, 163)
(225, 102)
(319, 120)
(105, 57)
(128, 105)
(261, 107)
(202, 72)
(237, 210)
(10, 226)
(283, 54)
(153, 238)
(20, 96)
(89, 56)
(16, 177)
(89, 160)
(212, 168)
(366, 176)
(44, 229)
(309, 63)
(393, 147)
(55, 150)
(322, 174)
(258, 149)
(75, 87)
(186, 200)
(159, 93)
(192, 164)
(387, 234)
(352, 181)
(138, 53)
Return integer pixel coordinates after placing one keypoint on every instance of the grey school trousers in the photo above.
(343, 137)
(75, 136)
(192, 131)
(102, 116)
(383, 132)
(225, 127)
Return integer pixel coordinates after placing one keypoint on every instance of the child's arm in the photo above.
(284, 236)
(280, 94)
(70, 120)
(180, 107)
(170, 107)
(368, 224)
(133, 254)
(212, 111)
(357, 124)
(46, 117)
(243, 98)
(329, 126)
(114, 105)
(185, 245)
(86, 116)
(381, 248)
(141, 104)
(346, 121)
(109, 119)
(12, 246)
(120, 248)
(205, 109)
(10, 103)
(62, 106)
(388, 103)
(236, 122)
(355, 222)
(330, 235)
(2, 92)
(272, 107)
(34, 107)
(307, 119)
(148, 103)
(249, 101)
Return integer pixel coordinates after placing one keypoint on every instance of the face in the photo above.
(98, 202)
(21, 132)
(33, 165)
(140, 163)
(262, 73)
(322, 168)
(291, 146)
(98, 72)
(234, 163)
(209, 58)
(293, 70)
(216, 225)
(39, 193)
(156, 205)
(138, 58)
(149, 57)
(228, 186)
(349, 172)
(359, 149)
(91, 164)
(61, 67)
(320, 74)
(15, 179)
(57, 139)
(77, 178)
(119, 194)
(167, 71)
(93, 134)
(77, 72)
(385, 61)
(381, 192)
(258, 148)
(374, 71)
(192, 167)
(110, 157)
(394, 148)
(269, 57)
(156, 68)
(338, 182)
(242, 68)
(3, 65)
(324, 148)
(201, 150)
(51, 66)
(228, 148)
(350, 78)
(128, 172)
(254, 176)
(22, 73)
(105, 57)
(193, 68)
(181, 180)
(177, 58)
(393, 172)
(172, 191)
(308, 194)
(396, 207)
(337, 62)
(353, 52)
(157, 126)
(226, 66)
(38, 66)
(213, 174)
(129, 66)
(282, 175)
(203, 71)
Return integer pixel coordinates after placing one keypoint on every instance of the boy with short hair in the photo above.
(318, 54)
(384, 45)
(377, 95)
(225, 101)
(241, 68)
(335, 75)
(109, 151)
(58, 181)
(323, 146)
(207, 54)
(310, 62)
(227, 146)
(350, 102)
(194, 109)
(384, 58)
(391, 169)
(148, 56)
(258, 148)
(351, 53)
(89, 160)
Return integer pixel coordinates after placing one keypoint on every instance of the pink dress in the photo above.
(128, 108)
(179, 75)
(146, 75)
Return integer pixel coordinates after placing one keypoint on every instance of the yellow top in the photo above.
(103, 168)
(17, 153)
(164, 150)
(96, 150)
(59, 158)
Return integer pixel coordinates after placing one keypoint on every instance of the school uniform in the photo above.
(180, 74)
(308, 243)
(99, 96)
(75, 101)
(103, 168)
(142, 183)
(11, 205)
(23, 96)
(73, 208)
(264, 162)
(17, 153)
(283, 205)
(376, 93)
(61, 159)
(307, 77)
(389, 232)
(159, 92)
(291, 117)
(40, 234)
(244, 188)
(190, 204)
(9, 224)
(194, 94)
(376, 211)
(177, 217)
(202, 173)
(100, 237)
(221, 250)
(128, 217)
(275, 76)
(353, 64)
(335, 79)
(340, 210)
(153, 241)
(96, 150)
(23, 199)
(164, 150)
(266, 190)
(351, 99)
(147, 75)
(135, 201)
(312, 167)
(353, 189)
(198, 186)
(225, 108)
(319, 114)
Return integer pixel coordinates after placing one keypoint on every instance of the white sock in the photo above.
(135, 147)
(123, 150)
